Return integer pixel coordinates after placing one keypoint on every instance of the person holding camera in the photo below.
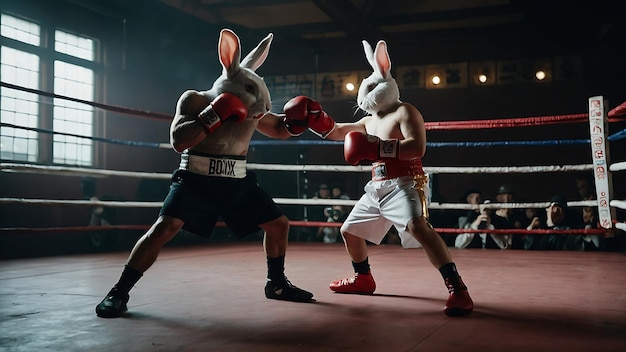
(558, 217)
(334, 213)
(486, 219)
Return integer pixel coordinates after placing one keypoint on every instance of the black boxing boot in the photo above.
(284, 290)
(113, 305)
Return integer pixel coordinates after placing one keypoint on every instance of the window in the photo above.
(19, 108)
(71, 117)
(22, 113)
(20, 30)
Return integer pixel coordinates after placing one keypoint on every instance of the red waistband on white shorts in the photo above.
(393, 168)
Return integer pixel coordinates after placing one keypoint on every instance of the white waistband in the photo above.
(212, 166)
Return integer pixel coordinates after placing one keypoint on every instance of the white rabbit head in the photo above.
(379, 91)
(240, 78)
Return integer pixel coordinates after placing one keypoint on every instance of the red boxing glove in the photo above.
(222, 108)
(295, 118)
(302, 112)
(360, 146)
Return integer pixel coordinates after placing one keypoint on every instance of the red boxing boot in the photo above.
(360, 284)
(459, 301)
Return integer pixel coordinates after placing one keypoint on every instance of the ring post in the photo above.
(600, 153)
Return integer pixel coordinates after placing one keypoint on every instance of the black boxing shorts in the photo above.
(201, 200)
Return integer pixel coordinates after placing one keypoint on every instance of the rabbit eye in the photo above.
(371, 86)
(250, 88)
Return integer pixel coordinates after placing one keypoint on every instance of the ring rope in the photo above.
(436, 144)
(618, 166)
(297, 201)
(617, 136)
(113, 108)
(304, 142)
(77, 171)
(618, 204)
(442, 125)
(97, 139)
(473, 124)
(306, 224)
(618, 110)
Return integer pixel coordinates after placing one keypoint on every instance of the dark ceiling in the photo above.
(329, 24)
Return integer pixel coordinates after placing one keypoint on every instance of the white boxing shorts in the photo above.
(386, 203)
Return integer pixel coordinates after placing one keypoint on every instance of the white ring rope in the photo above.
(618, 204)
(293, 201)
(96, 203)
(77, 171)
(621, 166)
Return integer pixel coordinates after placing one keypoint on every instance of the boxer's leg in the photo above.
(362, 282)
(142, 256)
(275, 245)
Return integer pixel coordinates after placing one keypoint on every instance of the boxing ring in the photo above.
(202, 297)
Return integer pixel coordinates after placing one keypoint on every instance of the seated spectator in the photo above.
(337, 193)
(529, 215)
(485, 219)
(558, 217)
(335, 213)
(331, 213)
(506, 194)
(317, 212)
(515, 217)
(588, 219)
(472, 196)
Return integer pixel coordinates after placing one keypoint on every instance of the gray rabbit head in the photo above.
(239, 77)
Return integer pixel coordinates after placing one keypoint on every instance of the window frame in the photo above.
(47, 58)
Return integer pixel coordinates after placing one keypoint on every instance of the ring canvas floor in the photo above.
(210, 298)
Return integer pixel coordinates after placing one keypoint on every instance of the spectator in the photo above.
(589, 219)
(558, 217)
(335, 213)
(484, 219)
(473, 196)
(323, 192)
(530, 215)
(506, 194)
(515, 217)
(317, 212)
(337, 193)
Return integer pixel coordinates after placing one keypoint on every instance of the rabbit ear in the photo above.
(229, 50)
(369, 54)
(383, 62)
(257, 56)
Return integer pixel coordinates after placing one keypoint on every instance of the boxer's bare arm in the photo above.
(413, 130)
(342, 128)
(272, 125)
(186, 130)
